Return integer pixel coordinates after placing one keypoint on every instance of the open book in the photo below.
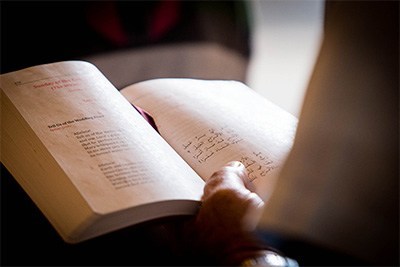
(93, 164)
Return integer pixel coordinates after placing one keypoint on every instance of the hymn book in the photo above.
(93, 164)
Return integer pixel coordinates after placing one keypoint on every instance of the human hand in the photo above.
(224, 225)
(231, 196)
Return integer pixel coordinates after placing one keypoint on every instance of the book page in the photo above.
(109, 152)
(210, 123)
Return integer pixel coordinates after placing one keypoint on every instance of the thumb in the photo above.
(232, 176)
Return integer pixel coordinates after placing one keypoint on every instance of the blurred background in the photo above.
(269, 45)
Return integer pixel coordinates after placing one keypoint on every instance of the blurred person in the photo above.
(336, 200)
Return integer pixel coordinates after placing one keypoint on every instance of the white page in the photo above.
(210, 123)
(112, 156)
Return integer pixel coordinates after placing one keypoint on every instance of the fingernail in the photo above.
(235, 164)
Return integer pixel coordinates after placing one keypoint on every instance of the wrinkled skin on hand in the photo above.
(222, 228)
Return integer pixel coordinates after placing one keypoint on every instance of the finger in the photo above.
(242, 173)
(232, 176)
